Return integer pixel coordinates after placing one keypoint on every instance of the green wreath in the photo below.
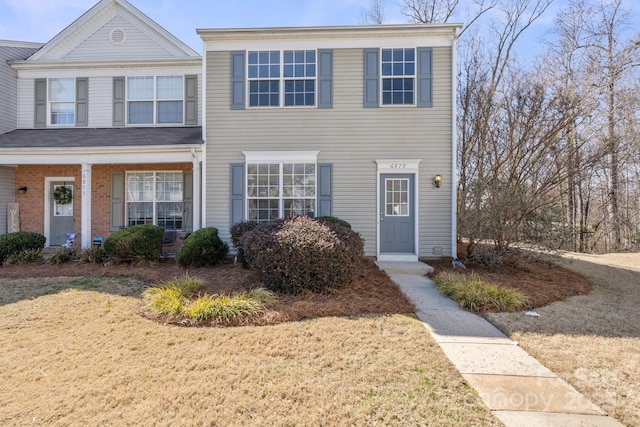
(62, 195)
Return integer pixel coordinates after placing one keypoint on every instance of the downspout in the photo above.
(454, 145)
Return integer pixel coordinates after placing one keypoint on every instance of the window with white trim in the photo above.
(155, 198)
(155, 100)
(282, 78)
(398, 76)
(278, 190)
(62, 101)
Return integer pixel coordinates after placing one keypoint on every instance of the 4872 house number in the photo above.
(398, 166)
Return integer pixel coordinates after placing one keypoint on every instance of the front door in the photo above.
(61, 214)
(397, 214)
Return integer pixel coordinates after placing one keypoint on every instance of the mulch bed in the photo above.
(542, 282)
(371, 292)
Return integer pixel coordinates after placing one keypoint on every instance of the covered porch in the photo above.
(117, 178)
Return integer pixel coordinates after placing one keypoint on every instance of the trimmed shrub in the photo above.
(300, 253)
(17, 242)
(93, 256)
(237, 231)
(335, 220)
(63, 255)
(24, 257)
(136, 242)
(202, 248)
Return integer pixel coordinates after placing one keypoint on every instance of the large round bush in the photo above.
(135, 242)
(237, 231)
(202, 248)
(20, 241)
(300, 253)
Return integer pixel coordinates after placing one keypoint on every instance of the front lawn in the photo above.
(75, 352)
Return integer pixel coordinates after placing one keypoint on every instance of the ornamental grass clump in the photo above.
(474, 293)
(24, 257)
(178, 300)
(171, 297)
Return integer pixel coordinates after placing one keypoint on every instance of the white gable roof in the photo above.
(113, 29)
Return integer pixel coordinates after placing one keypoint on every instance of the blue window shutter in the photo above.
(237, 80)
(118, 101)
(325, 189)
(82, 102)
(325, 78)
(191, 100)
(371, 78)
(117, 201)
(187, 201)
(237, 192)
(40, 99)
(425, 77)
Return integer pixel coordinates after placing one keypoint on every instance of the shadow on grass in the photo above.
(609, 310)
(15, 290)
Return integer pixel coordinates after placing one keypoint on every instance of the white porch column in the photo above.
(197, 191)
(85, 209)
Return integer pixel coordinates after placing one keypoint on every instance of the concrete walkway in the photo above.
(517, 388)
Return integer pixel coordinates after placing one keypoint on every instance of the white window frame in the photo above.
(155, 100)
(282, 79)
(155, 200)
(50, 102)
(414, 77)
(281, 158)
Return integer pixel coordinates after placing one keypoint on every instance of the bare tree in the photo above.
(440, 11)
(374, 14)
(614, 56)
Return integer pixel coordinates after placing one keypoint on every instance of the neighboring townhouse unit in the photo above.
(9, 51)
(109, 109)
(353, 122)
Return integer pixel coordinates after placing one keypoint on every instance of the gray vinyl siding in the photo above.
(348, 136)
(8, 86)
(100, 87)
(7, 194)
(138, 44)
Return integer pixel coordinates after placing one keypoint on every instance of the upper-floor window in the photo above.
(155, 100)
(398, 76)
(62, 96)
(282, 78)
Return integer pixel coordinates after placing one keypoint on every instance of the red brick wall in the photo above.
(32, 202)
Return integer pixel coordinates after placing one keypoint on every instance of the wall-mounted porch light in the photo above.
(22, 190)
(437, 180)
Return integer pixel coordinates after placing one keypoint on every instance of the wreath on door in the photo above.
(62, 195)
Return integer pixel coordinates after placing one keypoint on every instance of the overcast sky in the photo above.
(41, 20)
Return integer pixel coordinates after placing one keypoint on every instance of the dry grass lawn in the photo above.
(592, 341)
(75, 352)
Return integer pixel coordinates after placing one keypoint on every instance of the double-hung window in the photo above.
(398, 76)
(155, 100)
(155, 198)
(62, 95)
(278, 190)
(282, 78)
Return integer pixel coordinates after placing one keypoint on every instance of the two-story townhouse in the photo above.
(353, 122)
(9, 51)
(108, 128)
